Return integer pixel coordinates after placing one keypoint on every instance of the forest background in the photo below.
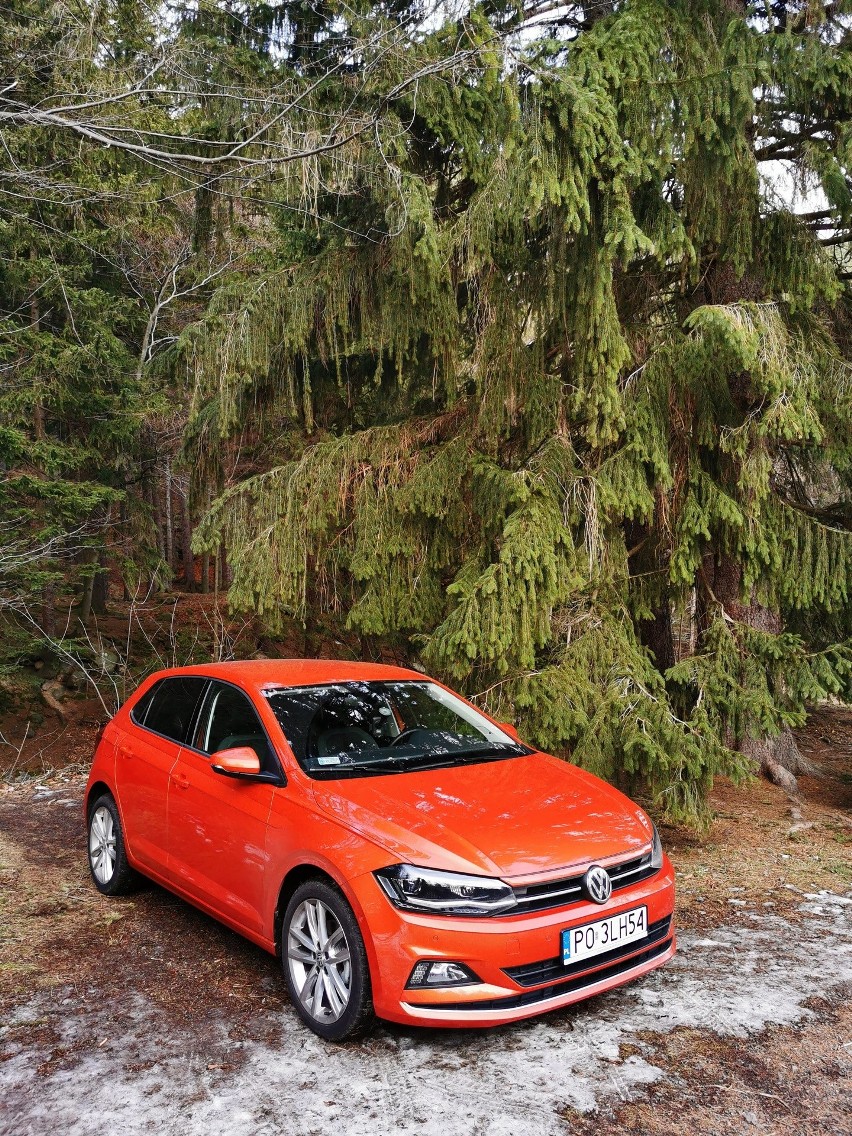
(512, 341)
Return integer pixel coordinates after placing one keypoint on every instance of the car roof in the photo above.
(259, 673)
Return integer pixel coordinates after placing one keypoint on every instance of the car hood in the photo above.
(519, 817)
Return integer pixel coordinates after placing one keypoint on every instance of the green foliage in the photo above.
(612, 327)
(531, 358)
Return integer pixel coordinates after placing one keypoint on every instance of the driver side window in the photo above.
(229, 720)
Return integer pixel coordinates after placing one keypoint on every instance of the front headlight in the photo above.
(444, 893)
(656, 851)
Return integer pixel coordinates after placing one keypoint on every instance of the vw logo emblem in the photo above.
(597, 885)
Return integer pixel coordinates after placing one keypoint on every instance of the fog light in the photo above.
(436, 974)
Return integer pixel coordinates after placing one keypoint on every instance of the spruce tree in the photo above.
(588, 384)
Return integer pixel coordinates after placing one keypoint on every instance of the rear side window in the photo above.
(172, 708)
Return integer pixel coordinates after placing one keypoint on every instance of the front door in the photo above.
(217, 825)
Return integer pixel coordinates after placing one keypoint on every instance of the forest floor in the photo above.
(143, 1015)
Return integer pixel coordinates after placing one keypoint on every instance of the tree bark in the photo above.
(650, 558)
(48, 609)
(157, 510)
(778, 758)
(85, 611)
(168, 521)
(100, 585)
(35, 320)
(186, 536)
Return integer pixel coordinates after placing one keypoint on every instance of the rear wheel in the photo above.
(325, 963)
(107, 855)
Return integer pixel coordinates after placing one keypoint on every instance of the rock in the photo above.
(51, 693)
(106, 661)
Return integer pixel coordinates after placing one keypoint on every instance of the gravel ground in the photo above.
(143, 1015)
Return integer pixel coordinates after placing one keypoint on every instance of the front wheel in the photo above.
(325, 963)
(107, 856)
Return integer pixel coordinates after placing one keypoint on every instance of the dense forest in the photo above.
(514, 338)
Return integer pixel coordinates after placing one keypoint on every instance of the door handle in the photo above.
(181, 780)
(125, 752)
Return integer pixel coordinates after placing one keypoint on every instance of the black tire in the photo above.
(357, 1015)
(112, 875)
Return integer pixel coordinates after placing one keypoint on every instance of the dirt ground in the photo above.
(143, 1015)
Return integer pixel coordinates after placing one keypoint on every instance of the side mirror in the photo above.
(511, 730)
(241, 761)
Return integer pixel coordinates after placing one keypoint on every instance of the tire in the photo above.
(325, 963)
(107, 855)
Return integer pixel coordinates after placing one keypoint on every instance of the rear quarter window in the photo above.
(139, 709)
(170, 707)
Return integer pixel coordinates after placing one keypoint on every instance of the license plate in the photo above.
(604, 935)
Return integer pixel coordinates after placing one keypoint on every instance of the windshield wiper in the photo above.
(421, 761)
(394, 762)
(491, 752)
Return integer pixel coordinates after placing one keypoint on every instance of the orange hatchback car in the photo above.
(403, 854)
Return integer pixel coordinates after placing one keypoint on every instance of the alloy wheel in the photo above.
(319, 960)
(102, 844)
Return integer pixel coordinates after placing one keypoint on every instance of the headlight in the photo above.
(444, 893)
(656, 851)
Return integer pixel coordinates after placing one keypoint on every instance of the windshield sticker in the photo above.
(333, 760)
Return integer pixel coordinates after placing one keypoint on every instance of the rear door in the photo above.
(217, 824)
(146, 754)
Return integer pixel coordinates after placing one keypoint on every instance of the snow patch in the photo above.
(140, 1074)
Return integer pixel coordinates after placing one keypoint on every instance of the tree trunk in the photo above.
(224, 570)
(168, 522)
(157, 510)
(100, 585)
(85, 610)
(779, 757)
(35, 320)
(186, 536)
(48, 609)
(650, 559)
(123, 528)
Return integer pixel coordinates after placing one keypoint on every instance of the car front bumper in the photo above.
(515, 957)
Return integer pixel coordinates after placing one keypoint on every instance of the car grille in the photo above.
(559, 893)
(534, 973)
(542, 993)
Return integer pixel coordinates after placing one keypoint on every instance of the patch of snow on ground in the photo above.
(140, 1074)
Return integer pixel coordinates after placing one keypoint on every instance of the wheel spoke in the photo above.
(311, 913)
(334, 1001)
(299, 934)
(310, 984)
(316, 1005)
(322, 925)
(300, 955)
(339, 986)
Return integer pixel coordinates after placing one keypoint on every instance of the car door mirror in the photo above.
(240, 761)
(511, 730)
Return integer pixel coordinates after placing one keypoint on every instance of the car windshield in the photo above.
(357, 729)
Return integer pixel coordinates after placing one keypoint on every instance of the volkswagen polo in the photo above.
(403, 854)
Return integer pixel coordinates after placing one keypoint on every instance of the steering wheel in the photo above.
(405, 735)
